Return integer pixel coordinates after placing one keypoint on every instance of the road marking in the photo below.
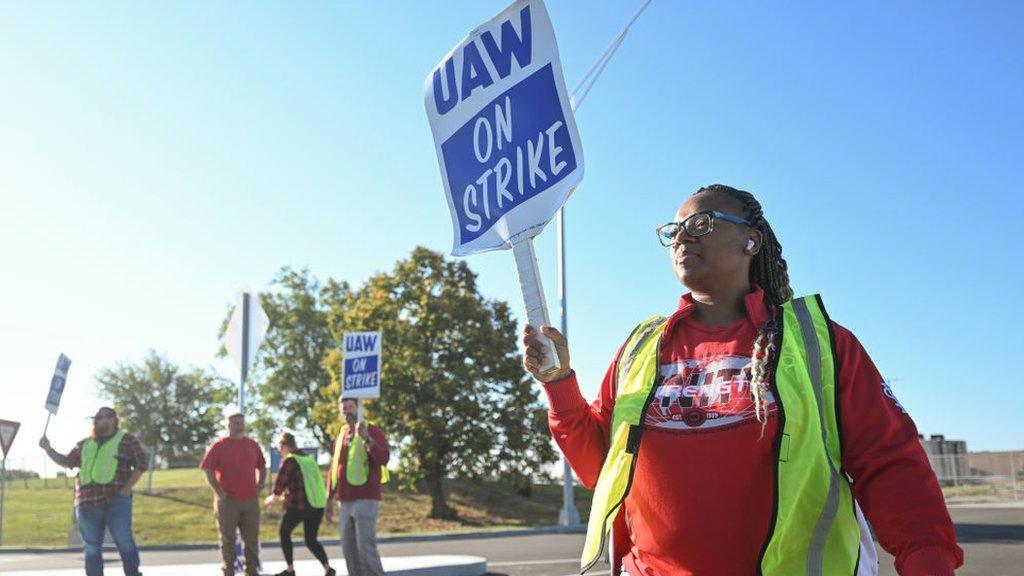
(534, 562)
(8, 559)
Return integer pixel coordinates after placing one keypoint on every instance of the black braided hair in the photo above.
(769, 269)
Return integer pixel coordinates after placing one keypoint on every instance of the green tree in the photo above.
(455, 399)
(290, 378)
(172, 411)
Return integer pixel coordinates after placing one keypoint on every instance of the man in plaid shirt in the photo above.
(110, 462)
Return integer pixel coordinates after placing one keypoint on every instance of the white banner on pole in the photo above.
(361, 354)
(504, 131)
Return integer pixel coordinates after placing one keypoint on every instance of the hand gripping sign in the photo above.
(506, 140)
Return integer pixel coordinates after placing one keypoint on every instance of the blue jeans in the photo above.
(117, 517)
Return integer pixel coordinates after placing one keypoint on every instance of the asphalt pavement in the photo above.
(991, 536)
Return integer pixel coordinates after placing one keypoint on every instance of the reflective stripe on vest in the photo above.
(357, 469)
(815, 530)
(312, 480)
(99, 461)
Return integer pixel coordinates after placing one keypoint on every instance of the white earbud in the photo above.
(750, 246)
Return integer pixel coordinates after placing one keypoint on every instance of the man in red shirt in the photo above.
(236, 471)
(360, 454)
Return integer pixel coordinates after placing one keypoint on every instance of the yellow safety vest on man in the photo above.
(816, 530)
(99, 461)
(357, 461)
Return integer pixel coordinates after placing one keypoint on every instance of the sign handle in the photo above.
(47, 426)
(533, 296)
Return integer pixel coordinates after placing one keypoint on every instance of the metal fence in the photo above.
(27, 472)
(980, 476)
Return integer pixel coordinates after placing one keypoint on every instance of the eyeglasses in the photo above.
(695, 226)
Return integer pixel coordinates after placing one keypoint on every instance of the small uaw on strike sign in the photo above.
(361, 354)
(506, 141)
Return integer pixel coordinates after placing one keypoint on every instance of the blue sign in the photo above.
(361, 372)
(361, 353)
(503, 128)
(60, 376)
(275, 457)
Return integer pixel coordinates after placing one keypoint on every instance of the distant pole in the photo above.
(569, 515)
(3, 483)
(152, 461)
(245, 352)
(1013, 474)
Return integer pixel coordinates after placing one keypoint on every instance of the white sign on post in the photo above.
(361, 354)
(234, 337)
(246, 330)
(506, 140)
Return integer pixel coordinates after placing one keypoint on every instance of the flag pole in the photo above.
(569, 515)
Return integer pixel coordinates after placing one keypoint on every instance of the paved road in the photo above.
(993, 539)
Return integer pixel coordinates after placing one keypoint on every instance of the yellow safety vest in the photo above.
(312, 480)
(99, 461)
(816, 530)
(357, 461)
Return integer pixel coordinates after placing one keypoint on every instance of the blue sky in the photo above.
(156, 158)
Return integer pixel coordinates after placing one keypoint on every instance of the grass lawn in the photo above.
(180, 510)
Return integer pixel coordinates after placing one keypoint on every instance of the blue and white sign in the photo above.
(361, 357)
(275, 457)
(60, 376)
(504, 131)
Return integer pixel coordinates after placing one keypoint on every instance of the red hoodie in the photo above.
(703, 490)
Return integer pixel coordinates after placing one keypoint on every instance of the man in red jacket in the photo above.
(360, 454)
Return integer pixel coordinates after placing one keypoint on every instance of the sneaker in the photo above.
(286, 573)
(330, 572)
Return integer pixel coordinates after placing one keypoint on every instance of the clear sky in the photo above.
(156, 158)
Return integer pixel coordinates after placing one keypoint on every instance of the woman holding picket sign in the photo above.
(743, 433)
(301, 486)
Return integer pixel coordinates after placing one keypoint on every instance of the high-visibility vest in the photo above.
(817, 530)
(357, 461)
(312, 480)
(99, 461)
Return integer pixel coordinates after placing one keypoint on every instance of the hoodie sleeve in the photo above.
(581, 429)
(892, 479)
(380, 452)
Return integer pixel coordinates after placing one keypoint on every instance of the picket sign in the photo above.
(506, 141)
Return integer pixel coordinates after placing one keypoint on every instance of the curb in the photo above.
(575, 529)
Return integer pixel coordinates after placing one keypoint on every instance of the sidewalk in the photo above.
(108, 545)
(396, 566)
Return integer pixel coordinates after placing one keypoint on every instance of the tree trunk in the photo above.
(439, 508)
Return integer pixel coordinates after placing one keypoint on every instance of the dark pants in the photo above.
(310, 519)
